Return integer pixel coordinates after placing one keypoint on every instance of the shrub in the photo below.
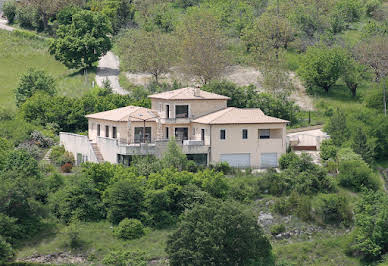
(275, 183)
(77, 200)
(278, 229)
(332, 209)
(126, 257)
(328, 150)
(124, 199)
(301, 205)
(26, 16)
(282, 206)
(356, 174)
(370, 237)
(222, 167)
(66, 168)
(129, 229)
(6, 251)
(9, 10)
(221, 231)
(287, 159)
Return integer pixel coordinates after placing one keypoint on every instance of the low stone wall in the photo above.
(78, 144)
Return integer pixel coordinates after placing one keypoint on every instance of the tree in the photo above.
(84, 41)
(218, 233)
(151, 52)
(361, 145)
(353, 74)
(174, 157)
(120, 12)
(269, 31)
(203, 49)
(337, 128)
(374, 54)
(124, 199)
(32, 81)
(370, 237)
(322, 66)
(6, 251)
(79, 200)
(9, 10)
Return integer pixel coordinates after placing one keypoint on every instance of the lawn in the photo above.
(98, 241)
(18, 53)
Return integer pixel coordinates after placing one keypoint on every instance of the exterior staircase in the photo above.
(97, 152)
(46, 157)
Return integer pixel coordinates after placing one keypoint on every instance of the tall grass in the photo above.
(20, 52)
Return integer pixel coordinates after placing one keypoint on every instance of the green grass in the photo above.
(320, 251)
(98, 241)
(18, 53)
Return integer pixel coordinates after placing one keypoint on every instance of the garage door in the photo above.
(269, 160)
(241, 160)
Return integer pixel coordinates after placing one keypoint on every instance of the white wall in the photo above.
(77, 144)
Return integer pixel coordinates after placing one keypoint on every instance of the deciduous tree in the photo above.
(151, 52)
(203, 47)
(84, 41)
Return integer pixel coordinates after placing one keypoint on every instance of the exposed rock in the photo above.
(56, 258)
(265, 219)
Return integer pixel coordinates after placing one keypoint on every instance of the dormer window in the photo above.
(181, 111)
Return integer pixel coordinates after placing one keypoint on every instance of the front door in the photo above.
(182, 133)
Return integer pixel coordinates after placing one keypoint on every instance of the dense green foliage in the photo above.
(219, 233)
(129, 229)
(32, 82)
(84, 41)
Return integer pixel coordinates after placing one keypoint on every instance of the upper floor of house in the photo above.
(186, 104)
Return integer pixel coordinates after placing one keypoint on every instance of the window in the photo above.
(222, 134)
(139, 135)
(245, 133)
(114, 133)
(264, 134)
(167, 111)
(182, 133)
(167, 133)
(203, 134)
(182, 111)
(107, 131)
(98, 130)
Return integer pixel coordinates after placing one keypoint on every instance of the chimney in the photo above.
(197, 91)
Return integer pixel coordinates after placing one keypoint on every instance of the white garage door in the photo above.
(269, 160)
(241, 160)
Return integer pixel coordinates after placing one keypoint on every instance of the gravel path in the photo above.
(109, 69)
(4, 25)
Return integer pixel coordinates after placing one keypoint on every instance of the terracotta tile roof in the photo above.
(131, 113)
(234, 115)
(188, 94)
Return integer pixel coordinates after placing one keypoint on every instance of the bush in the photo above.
(124, 199)
(126, 257)
(129, 229)
(328, 150)
(221, 231)
(274, 183)
(332, 209)
(66, 168)
(300, 205)
(287, 159)
(222, 167)
(6, 251)
(370, 237)
(9, 10)
(282, 206)
(356, 174)
(26, 16)
(277, 229)
(77, 200)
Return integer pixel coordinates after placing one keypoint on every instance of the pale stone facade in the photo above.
(201, 123)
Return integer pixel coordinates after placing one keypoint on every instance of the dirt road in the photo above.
(109, 69)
